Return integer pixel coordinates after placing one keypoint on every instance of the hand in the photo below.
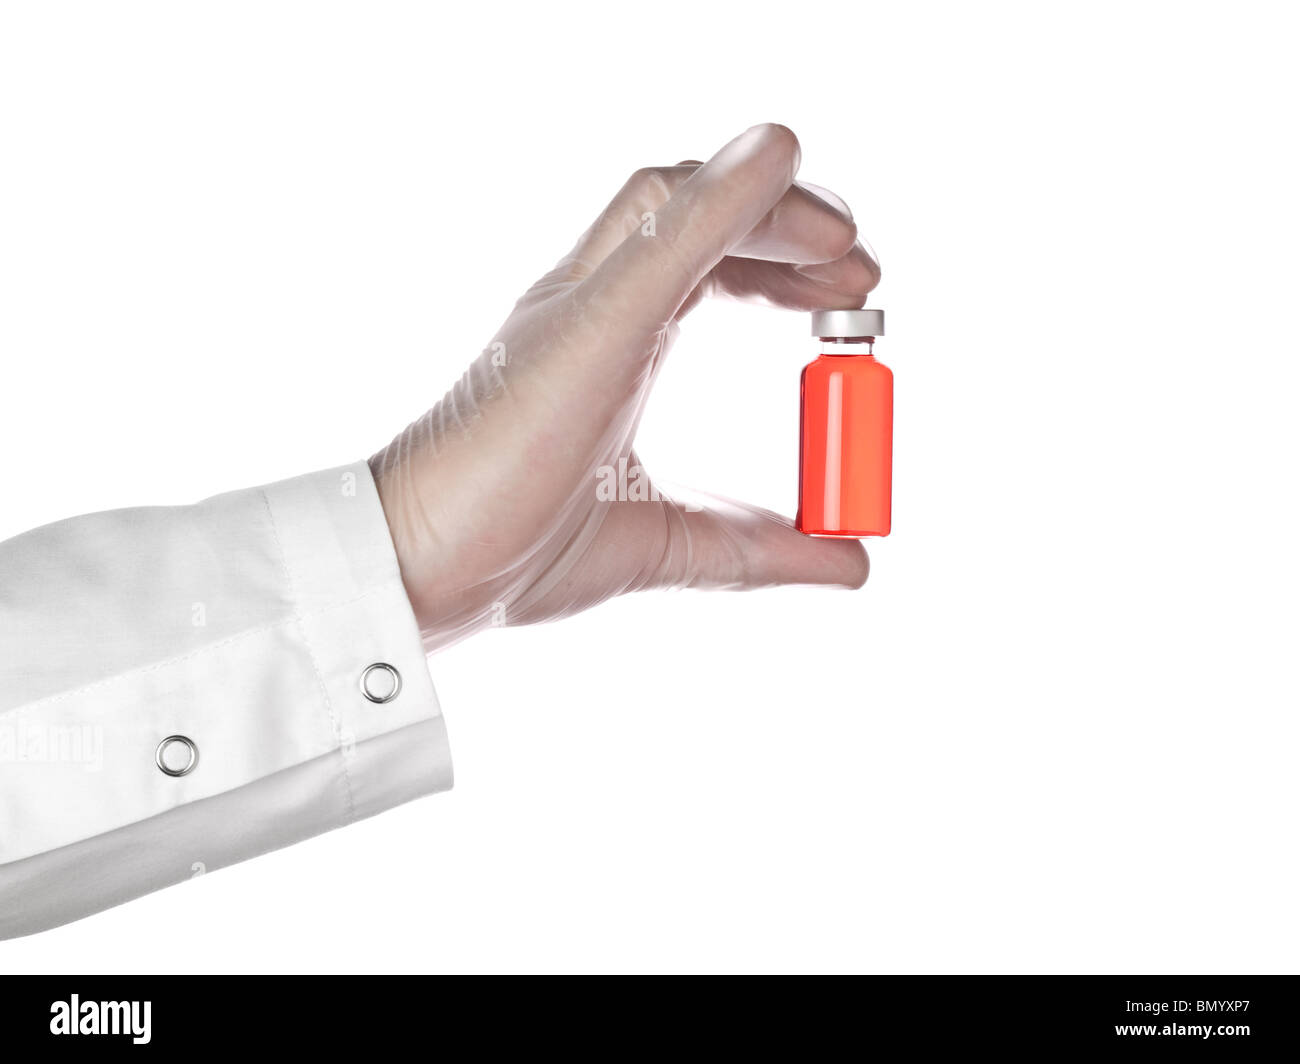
(494, 498)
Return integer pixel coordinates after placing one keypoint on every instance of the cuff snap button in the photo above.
(167, 764)
(375, 688)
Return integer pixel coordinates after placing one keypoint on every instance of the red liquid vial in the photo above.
(846, 429)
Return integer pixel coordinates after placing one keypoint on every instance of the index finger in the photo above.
(650, 274)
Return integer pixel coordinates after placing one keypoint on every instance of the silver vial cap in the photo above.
(845, 323)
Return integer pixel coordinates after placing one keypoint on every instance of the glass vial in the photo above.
(846, 429)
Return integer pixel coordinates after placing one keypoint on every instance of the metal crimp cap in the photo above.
(845, 323)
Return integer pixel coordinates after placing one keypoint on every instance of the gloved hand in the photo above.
(496, 498)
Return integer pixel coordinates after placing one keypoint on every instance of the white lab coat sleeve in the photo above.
(244, 623)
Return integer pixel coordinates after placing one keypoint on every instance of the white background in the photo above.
(1056, 731)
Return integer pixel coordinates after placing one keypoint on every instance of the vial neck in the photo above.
(847, 345)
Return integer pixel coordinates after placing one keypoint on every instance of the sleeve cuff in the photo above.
(342, 571)
(288, 743)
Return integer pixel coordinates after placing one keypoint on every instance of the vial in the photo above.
(846, 429)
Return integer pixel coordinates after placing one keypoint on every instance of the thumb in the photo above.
(727, 545)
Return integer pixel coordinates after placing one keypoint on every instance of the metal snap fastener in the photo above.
(160, 755)
(373, 691)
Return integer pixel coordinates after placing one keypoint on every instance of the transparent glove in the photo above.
(498, 498)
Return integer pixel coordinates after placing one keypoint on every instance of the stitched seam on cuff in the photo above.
(335, 726)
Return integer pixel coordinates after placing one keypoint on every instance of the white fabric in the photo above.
(244, 623)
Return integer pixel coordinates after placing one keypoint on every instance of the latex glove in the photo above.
(494, 497)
